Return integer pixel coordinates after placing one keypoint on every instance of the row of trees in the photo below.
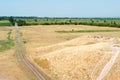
(113, 22)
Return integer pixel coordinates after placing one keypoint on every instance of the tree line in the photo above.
(25, 21)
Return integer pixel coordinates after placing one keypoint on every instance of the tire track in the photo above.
(39, 75)
(108, 66)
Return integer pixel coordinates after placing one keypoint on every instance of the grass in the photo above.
(5, 23)
(85, 31)
(6, 44)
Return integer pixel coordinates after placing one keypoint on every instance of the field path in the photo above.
(39, 75)
(108, 66)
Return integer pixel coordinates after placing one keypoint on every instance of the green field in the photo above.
(5, 23)
(86, 31)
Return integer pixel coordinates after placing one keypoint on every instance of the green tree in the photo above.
(21, 22)
(12, 20)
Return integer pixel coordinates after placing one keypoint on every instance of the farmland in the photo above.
(70, 56)
(5, 23)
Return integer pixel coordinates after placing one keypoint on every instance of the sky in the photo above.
(60, 8)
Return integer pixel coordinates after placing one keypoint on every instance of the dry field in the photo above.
(71, 56)
(62, 56)
(10, 66)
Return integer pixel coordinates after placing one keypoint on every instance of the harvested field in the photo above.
(70, 56)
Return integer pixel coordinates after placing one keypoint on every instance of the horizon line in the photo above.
(58, 17)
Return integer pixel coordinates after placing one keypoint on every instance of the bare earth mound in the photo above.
(77, 59)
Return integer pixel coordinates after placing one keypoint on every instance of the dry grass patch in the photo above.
(44, 63)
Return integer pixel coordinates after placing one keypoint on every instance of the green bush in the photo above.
(8, 44)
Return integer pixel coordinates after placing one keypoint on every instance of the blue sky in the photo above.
(60, 8)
